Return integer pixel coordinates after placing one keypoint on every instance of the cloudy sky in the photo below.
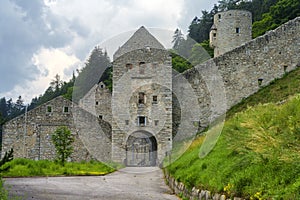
(42, 38)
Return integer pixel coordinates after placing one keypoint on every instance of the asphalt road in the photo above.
(129, 183)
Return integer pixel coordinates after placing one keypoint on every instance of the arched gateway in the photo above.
(141, 149)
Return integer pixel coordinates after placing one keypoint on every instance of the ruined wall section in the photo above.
(30, 134)
(98, 102)
(247, 68)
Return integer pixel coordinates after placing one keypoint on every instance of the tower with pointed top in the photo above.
(141, 101)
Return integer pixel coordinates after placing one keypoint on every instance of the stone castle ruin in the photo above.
(133, 124)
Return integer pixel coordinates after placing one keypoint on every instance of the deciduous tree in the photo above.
(62, 140)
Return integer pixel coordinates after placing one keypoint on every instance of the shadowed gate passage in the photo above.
(141, 149)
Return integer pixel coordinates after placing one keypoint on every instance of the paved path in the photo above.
(129, 183)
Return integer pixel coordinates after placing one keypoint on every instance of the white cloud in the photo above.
(54, 61)
(49, 62)
(44, 38)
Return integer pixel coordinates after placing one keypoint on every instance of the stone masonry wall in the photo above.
(194, 194)
(98, 102)
(244, 70)
(30, 135)
(231, 29)
(149, 71)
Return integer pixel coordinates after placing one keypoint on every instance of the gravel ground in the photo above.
(129, 183)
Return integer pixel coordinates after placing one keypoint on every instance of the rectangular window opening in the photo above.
(142, 67)
(141, 121)
(97, 103)
(155, 99)
(260, 80)
(49, 109)
(237, 30)
(66, 109)
(156, 122)
(141, 98)
(100, 117)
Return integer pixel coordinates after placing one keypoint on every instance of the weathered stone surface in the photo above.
(240, 70)
(231, 29)
(98, 102)
(216, 197)
(142, 91)
(30, 134)
(223, 197)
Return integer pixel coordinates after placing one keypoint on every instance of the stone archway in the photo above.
(141, 149)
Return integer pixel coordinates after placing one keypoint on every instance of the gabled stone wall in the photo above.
(30, 134)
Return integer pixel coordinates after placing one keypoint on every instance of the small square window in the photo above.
(141, 121)
(215, 35)
(156, 122)
(100, 117)
(237, 30)
(97, 103)
(49, 109)
(66, 109)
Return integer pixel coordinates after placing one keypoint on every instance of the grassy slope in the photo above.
(258, 154)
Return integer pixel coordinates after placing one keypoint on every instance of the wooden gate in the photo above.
(141, 149)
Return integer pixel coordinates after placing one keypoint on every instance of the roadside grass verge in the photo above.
(258, 153)
(29, 168)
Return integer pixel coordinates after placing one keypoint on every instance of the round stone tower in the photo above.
(231, 29)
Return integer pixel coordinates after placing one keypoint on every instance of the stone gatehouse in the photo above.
(133, 123)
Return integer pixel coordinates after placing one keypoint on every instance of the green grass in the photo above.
(258, 153)
(29, 168)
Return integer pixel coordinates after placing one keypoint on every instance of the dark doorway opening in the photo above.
(141, 149)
